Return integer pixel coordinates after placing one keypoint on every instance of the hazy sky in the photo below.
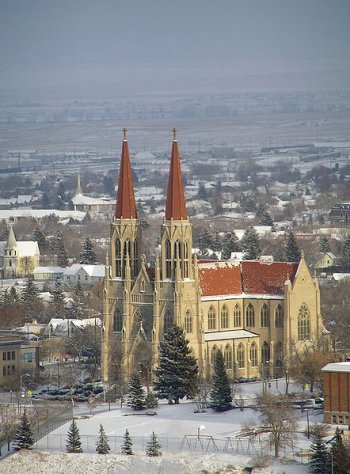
(51, 35)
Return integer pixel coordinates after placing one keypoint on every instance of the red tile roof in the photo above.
(261, 278)
(175, 199)
(125, 205)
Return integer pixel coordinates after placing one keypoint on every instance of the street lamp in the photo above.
(199, 429)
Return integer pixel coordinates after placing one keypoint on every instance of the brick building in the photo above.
(336, 383)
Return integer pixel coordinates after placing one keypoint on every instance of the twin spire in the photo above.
(175, 200)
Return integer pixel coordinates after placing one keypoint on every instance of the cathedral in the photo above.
(256, 312)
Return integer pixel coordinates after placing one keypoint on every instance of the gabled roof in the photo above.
(175, 199)
(91, 270)
(245, 277)
(125, 205)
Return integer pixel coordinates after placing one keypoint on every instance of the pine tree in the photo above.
(102, 446)
(153, 447)
(176, 376)
(73, 444)
(292, 251)
(136, 394)
(220, 394)
(24, 434)
(127, 444)
(60, 250)
(345, 257)
(58, 300)
(87, 255)
(265, 219)
(339, 455)
(230, 244)
(325, 245)
(30, 300)
(151, 400)
(205, 241)
(319, 459)
(251, 244)
(39, 237)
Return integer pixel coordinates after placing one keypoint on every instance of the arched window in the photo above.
(118, 258)
(126, 255)
(177, 253)
(253, 354)
(168, 320)
(135, 258)
(264, 316)
(188, 322)
(167, 259)
(228, 357)
(265, 353)
(213, 355)
(211, 318)
(279, 316)
(250, 316)
(185, 275)
(224, 317)
(237, 322)
(240, 356)
(304, 323)
(279, 354)
(118, 321)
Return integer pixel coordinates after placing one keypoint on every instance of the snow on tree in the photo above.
(102, 446)
(177, 374)
(319, 459)
(251, 244)
(38, 236)
(60, 250)
(205, 241)
(220, 395)
(136, 393)
(265, 219)
(153, 447)
(340, 458)
(292, 251)
(87, 255)
(230, 244)
(58, 300)
(345, 255)
(24, 434)
(325, 246)
(127, 444)
(151, 400)
(73, 444)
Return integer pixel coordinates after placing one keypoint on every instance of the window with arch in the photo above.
(228, 357)
(303, 323)
(279, 316)
(237, 320)
(188, 322)
(253, 354)
(168, 320)
(224, 317)
(250, 316)
(168, 259)
(211, 318)
(240, 356)
(265, 353)
(118, 258)
(279, 354)
(118, 320)
(264, 316)
(135, 258)
(178, 253)
(213, 355)
(185, 273)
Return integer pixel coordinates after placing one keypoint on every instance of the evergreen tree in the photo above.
(39, 237)
(265, 219)
(153, 447)
(24, 434)
(319, 459)
(205, 241)
(325, 245)
(30, 291)
(60, 250)
(87, 255)
(136, 394)
(73, 444)
(177, 373)
(127, 444)
(230, 244)
(345, 257)
(216, 242)
(220, 394)
(292, 251)
(339, 455)
(151, 400)
(251, 244)
(102, 446)
(30, 301)
(58, 303)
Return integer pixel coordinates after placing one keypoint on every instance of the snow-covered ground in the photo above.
(177, 428)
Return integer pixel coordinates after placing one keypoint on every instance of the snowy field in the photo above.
(177, 427)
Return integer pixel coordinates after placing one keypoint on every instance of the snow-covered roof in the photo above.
(91, 270)
(50, 270)
(226, 335)
(337, 367)
(27, 249)
(40, 213)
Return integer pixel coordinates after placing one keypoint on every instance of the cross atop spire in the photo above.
(125, 206)
(125, 131)
(175, 200)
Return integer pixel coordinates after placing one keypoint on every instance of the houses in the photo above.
(85, 275)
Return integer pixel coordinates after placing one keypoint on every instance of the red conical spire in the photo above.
(125, 206)
(175, 199)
